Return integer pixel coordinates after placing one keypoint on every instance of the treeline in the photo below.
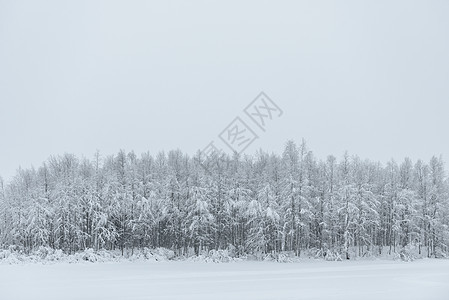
(265, 203)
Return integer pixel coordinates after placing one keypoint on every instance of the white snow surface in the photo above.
(309, 279)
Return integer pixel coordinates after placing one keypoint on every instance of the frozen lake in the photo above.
(424, 279)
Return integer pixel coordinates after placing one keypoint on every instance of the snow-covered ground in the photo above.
(423, 279)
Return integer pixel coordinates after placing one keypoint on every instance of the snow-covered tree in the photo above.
(264, 203)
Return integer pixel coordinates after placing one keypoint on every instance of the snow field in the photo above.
(309, 279)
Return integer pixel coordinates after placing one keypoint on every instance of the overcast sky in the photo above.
(77, 76)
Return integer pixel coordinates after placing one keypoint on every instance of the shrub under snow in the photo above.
(48, 255)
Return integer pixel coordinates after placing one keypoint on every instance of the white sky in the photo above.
(77, 76)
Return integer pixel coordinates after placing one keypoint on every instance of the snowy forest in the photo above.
(265, 203)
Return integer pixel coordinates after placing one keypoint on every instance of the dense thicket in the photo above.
(265, 203)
